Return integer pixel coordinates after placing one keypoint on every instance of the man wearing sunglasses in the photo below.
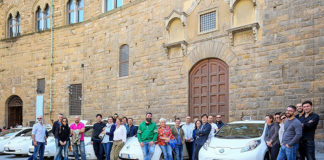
(39, 139)
(291, 135)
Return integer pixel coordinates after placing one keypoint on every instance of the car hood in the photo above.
(230, 143)
(20, 140)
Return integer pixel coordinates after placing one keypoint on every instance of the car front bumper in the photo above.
(229, 154)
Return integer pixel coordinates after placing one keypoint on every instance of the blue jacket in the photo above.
(132, 131)
(111, 132)
(203, 134)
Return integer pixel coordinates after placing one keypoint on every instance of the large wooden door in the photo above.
(209, 89)
(15, 114)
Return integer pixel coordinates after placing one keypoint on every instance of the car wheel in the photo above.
(267, 156)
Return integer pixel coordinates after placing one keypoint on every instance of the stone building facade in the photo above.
(184, 57)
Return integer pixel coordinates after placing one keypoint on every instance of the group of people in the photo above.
(290, 135)
(192, 135)
(109, 138)
(285, 135)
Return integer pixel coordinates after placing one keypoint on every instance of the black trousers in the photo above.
(98, 149)
(189, 146)
(307, 149)
(196, 153)
(274, 151)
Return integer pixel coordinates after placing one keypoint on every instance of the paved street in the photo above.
(5, 157)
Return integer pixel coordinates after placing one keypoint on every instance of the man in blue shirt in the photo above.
(39, 139)
(132, 129)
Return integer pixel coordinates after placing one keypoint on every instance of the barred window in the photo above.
(208, 21)
(75, 99)
(123, 60)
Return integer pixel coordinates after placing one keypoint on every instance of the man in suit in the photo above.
(202, 135)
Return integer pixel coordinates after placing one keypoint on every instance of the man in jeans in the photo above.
(95, 140)
(55, 130)
(188, 130)
(291, 136)
(178, 133)
(77, 132)
(309, 122)
(39, 139)
(147, 134)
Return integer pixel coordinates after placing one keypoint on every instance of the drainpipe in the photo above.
(51, 67)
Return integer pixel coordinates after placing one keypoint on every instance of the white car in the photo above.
(88, 146)
(133, 150)
(19, 144)
(7, 135)
(240, 140)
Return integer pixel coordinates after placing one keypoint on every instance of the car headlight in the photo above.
(251, 145)
(206, 145)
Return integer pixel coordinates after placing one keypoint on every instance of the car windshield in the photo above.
(241, 131)
(25, 132)
(9, 132)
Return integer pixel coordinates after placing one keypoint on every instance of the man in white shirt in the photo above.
(214, 128)
(188, 130)
(39, 139)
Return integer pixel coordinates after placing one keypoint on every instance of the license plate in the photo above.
(125, 155)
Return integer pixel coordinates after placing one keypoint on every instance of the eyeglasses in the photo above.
(283, 118)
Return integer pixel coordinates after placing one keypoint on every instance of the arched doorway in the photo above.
(15, 105)
(208, 92)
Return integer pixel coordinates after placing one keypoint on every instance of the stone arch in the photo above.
(208, 49)
(40, 3)
(13, 10)
(14, 107)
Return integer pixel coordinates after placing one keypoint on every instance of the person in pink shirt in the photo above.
(77, 142)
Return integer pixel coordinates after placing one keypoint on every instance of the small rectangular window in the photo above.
(75, 99)
(208, 21)
(40, 86)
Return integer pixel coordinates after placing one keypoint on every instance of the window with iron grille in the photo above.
(208, 21)
(75, 94)
(123, 60)
(40, 86)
